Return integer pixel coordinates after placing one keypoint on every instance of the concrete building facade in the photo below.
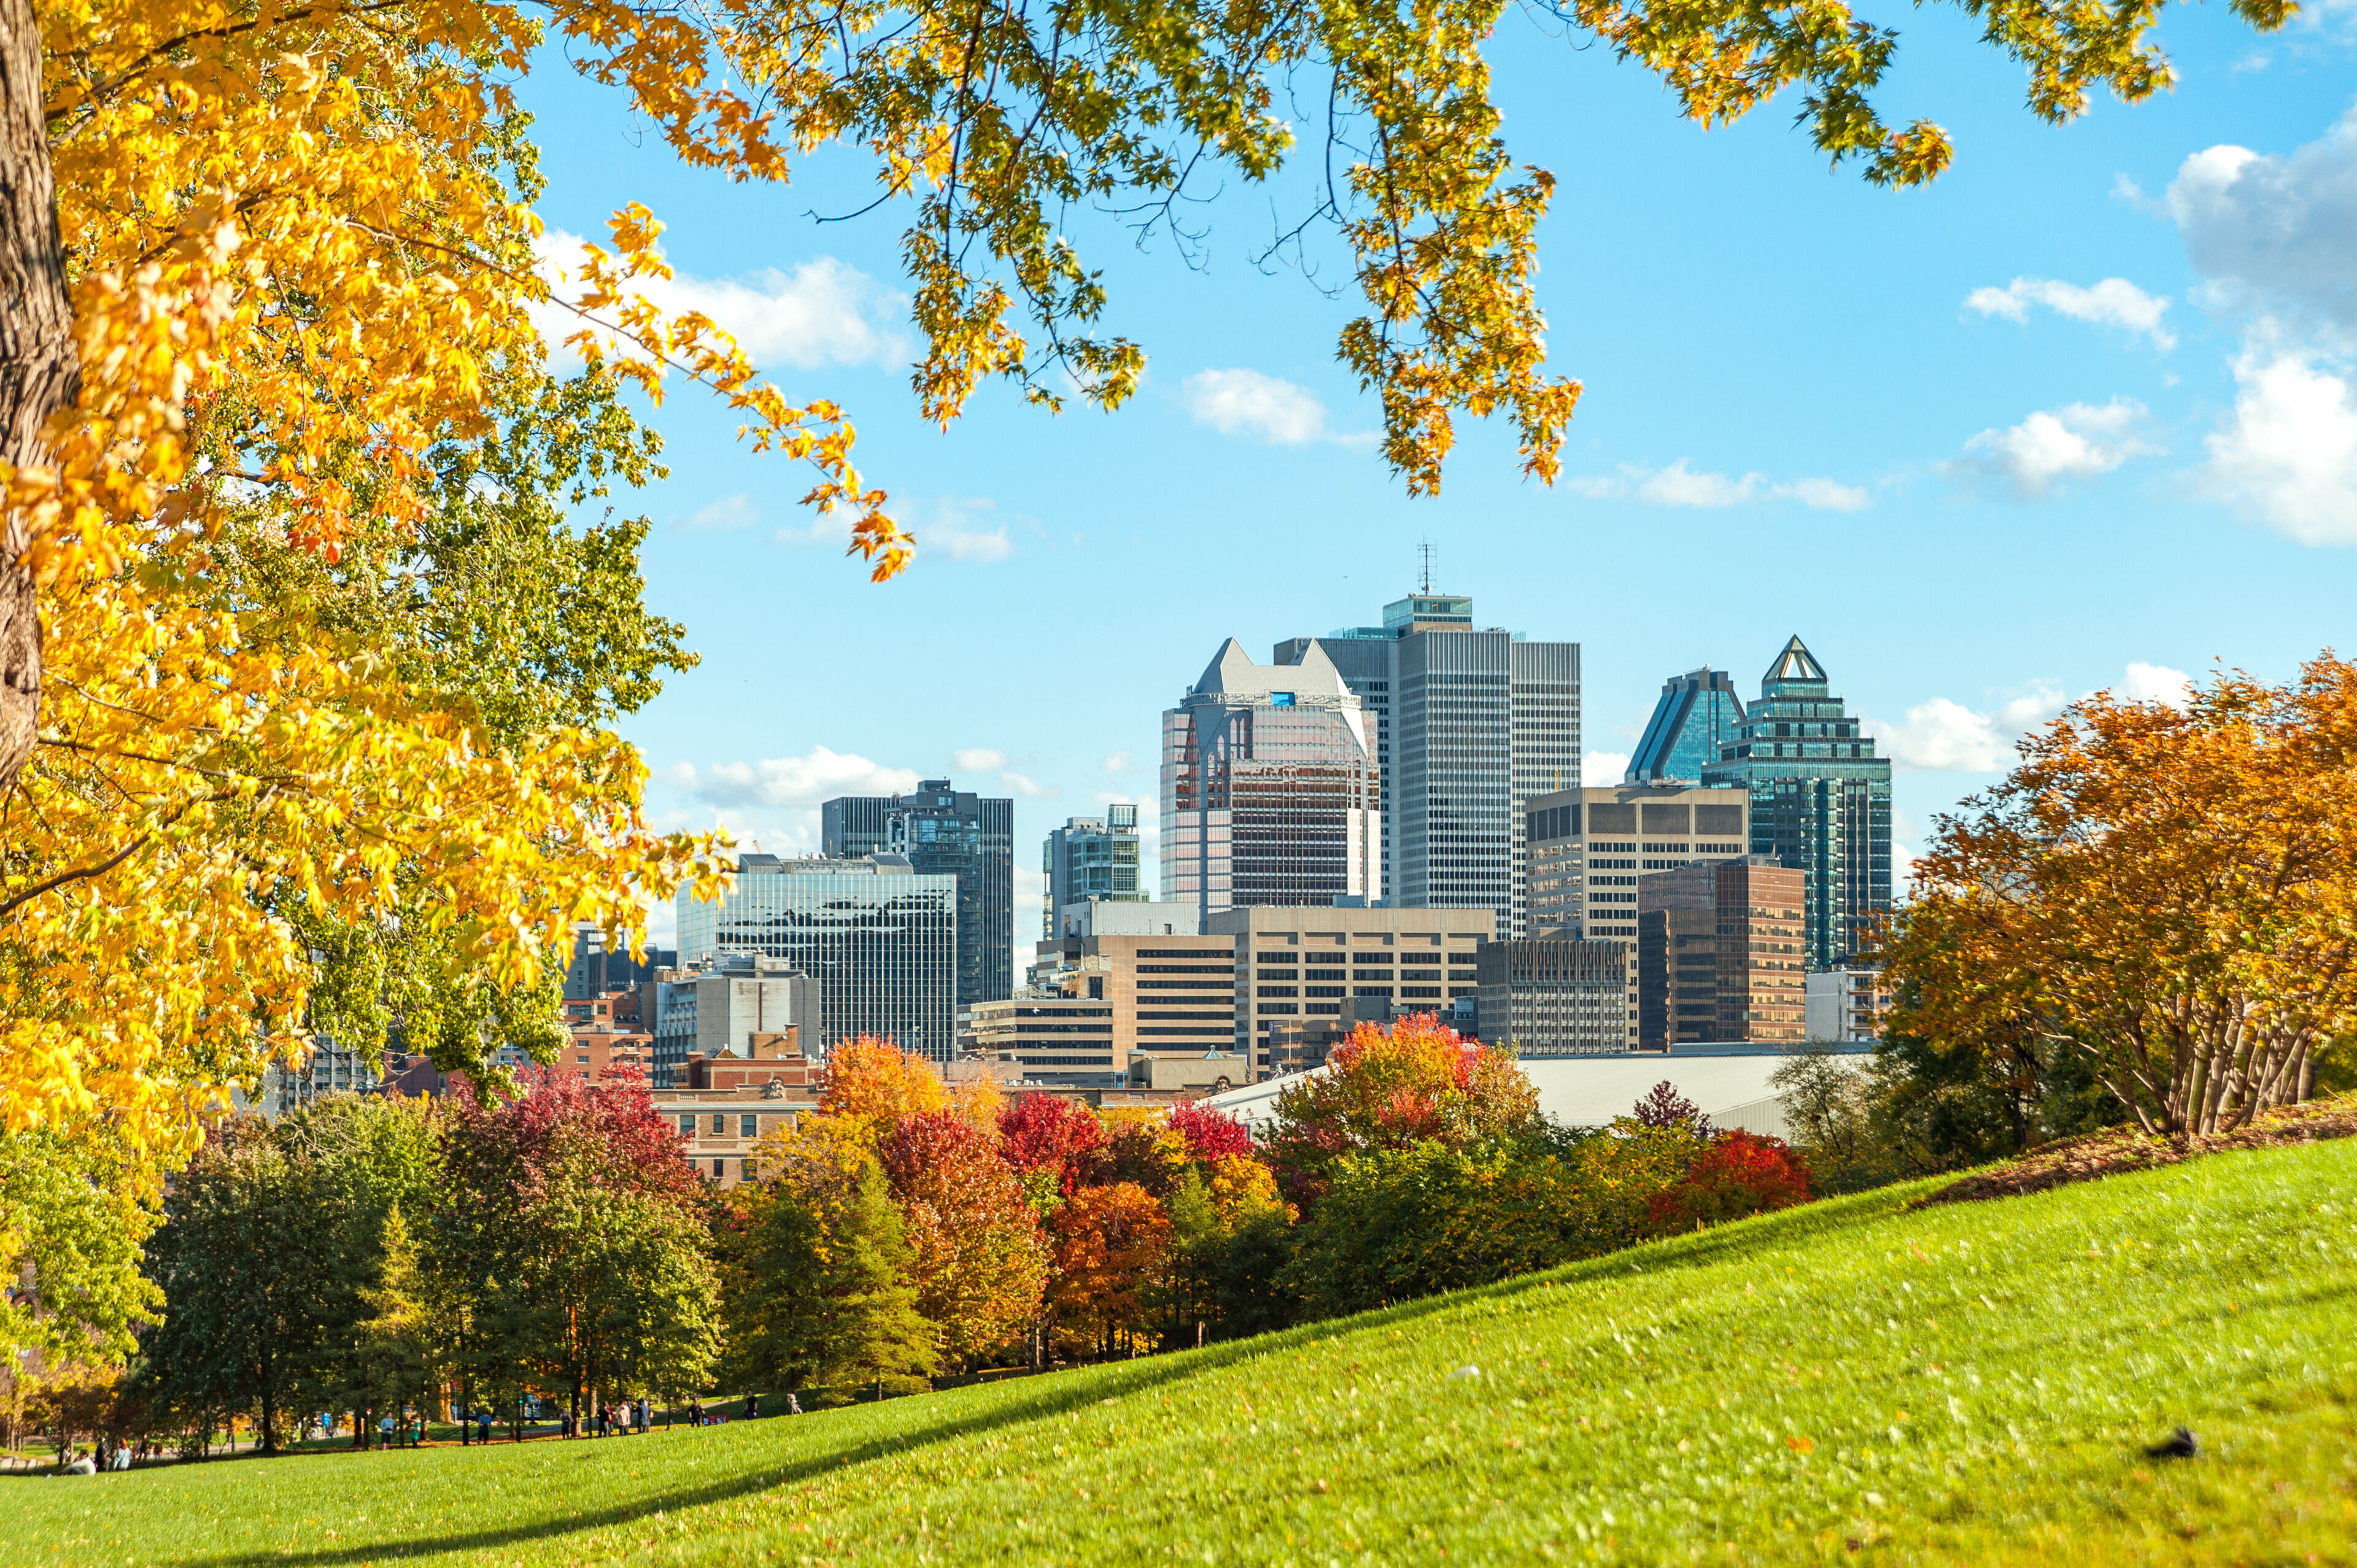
(1721, 955)
(1099, 1000)
(1587, 848)
(1846, 1006)
(722, 1004)
(1555, 996)
(1298, 967)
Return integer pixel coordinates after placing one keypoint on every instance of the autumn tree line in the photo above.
(360, 1257)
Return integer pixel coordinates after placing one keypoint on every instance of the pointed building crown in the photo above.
(1795, 664)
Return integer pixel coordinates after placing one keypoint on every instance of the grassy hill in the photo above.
(1848, 1382)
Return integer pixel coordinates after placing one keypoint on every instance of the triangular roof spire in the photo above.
(1795, 663)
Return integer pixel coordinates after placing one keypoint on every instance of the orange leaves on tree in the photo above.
(978, 1260)
(1737, 1173)
(1392, 1088)
(874, 1083)
(2168, 892)
(1112, 1252)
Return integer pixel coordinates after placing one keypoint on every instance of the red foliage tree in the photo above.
(977, 1258)
(1048, 1131)
(1210, 1133)
(1663, 1106)
(1740, 1174)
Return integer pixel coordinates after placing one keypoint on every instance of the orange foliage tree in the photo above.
(2169, 892)
(872, 1083)
(1392, 1088)
(1111, 1258)
(978, 1260)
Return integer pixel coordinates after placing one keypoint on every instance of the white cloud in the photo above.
(2275, 236)
(978, 760)
(727, 513)
(1246, 403)
(1598, 769)
(2157, 684)
(2114, 302)
(1679, 484)
(2289, 453)
(2077, 441)
(1026, 786)
(1118, 762)
(2274, 232)
(1942, 734)
(823, 312)
(817, 775)
(1946, 735)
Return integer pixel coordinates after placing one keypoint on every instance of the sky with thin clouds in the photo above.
(2082, 414)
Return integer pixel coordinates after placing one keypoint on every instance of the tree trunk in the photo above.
(38, 374)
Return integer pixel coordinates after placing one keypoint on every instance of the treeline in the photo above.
(378, 1256)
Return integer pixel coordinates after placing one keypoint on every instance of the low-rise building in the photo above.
(718, 1004)
(724, 1104)
(1299, 965)
(1559, 997)
(1844, 1005)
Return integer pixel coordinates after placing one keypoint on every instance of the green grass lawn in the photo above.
(1849, 1382)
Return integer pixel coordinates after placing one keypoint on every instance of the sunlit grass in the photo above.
(1853, 1381)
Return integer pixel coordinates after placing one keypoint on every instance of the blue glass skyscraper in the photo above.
(1697, 714)
(1820, 802)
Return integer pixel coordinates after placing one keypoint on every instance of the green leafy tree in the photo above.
(819, 1290)
(392, 1365)
(246, 1253)
(70, 1228)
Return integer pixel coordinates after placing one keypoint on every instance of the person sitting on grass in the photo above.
(83, 1465)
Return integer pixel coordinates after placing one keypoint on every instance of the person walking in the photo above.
(483, 1426)
(385, 1430)
(752, 1407)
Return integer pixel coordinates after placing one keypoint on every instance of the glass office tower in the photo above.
(951, 833)
(1469, 724)
(1269, 789)
(1696, 715)
(1089, 857)
(1820, 802)
(881, 937)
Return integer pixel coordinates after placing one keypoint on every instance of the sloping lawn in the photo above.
(1972, 1383)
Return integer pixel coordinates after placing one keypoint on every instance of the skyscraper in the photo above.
(878, 936)
(1698, 714)
(1469, 723)
(1091, 857)
(948, 833)
(1820, 802)
(1269, 788)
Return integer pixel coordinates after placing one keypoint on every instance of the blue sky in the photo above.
(2082, 414)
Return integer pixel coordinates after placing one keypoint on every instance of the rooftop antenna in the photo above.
(1424, 548)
